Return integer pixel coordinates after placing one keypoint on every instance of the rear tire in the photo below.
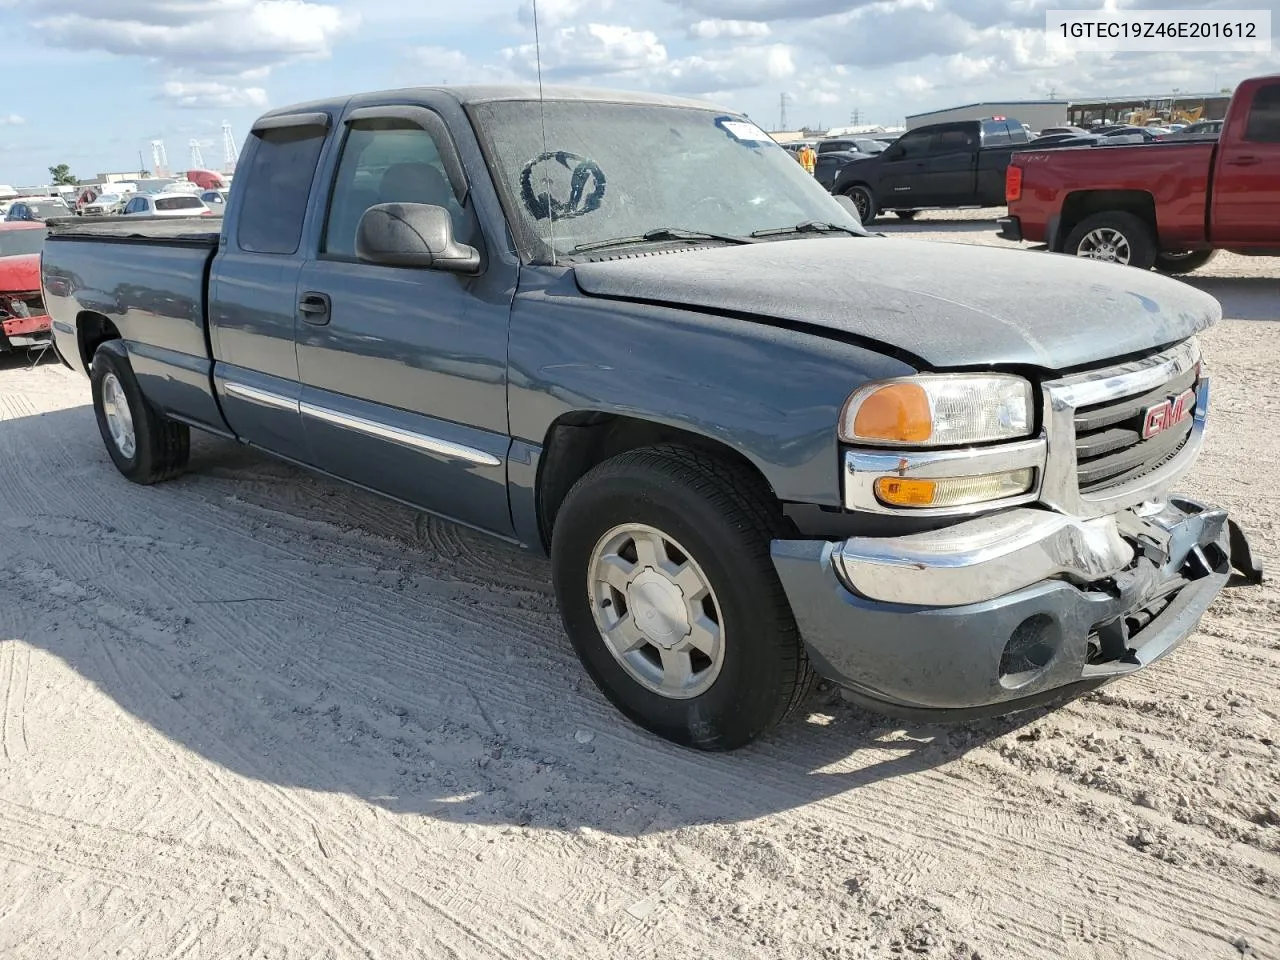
(864, 201)
(145, 445)
(685, 537)
(1177, 263)
(1114, 237)
(905, 214)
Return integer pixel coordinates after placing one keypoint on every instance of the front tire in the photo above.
(660, 559)
(905, 214)
(145, 445)
(864, 201)
(1177, 263)
(1115, 237)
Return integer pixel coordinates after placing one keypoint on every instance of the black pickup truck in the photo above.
(940, 166)
(759, 442)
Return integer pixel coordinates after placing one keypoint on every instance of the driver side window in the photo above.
(912, 146)
(385, 161)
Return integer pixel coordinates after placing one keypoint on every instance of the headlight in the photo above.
(934, 410)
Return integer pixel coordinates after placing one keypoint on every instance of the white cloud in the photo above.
(735, 69)
(210, 94)
(11, 120)
(737, 29)
(214, 37)
(593, 49)
(434, 65)
(555, 12)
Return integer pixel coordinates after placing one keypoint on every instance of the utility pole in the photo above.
(783, 100)
(855, 118)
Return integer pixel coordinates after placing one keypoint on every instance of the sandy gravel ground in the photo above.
(254, 714)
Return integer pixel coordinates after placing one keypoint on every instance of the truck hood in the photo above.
(20, 274)
(946, 304)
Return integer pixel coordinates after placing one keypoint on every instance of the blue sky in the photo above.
(91, 82)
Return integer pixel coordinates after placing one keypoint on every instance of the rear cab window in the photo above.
(277, 186)
(1263, 124)
(178, 203)
(995, 133)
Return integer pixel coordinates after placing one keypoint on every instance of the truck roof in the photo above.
(487, 93)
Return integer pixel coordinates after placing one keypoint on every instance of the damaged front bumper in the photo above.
(1007, 611)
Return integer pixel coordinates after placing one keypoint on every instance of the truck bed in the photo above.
(146, 279)
(1175, 174)
(203, 231)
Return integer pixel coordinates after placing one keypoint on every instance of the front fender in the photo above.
(772, 392)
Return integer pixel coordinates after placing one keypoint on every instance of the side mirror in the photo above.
(413, 235)
(850, 207)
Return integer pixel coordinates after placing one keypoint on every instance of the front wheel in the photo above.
(1184, 261)
(905, 214)
(1116, 237)
(144, 445)
(864, 201)
(660, 559)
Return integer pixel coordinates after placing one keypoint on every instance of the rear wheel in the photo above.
(1115, 237)
(144, 445)
(1183, 261)
(661, 564)
(905, 214)
(864, 201)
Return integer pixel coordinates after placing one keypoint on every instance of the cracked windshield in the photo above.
(611, 170)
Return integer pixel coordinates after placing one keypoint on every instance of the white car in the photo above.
(103, 205)
(166, 205)
(216, 199)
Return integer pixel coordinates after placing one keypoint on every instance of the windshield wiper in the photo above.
(808, 226)
(660, 233)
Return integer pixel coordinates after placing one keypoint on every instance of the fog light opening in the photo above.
(1030, 652)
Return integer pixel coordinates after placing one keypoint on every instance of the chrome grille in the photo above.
(1109, 445)
(1097, 461)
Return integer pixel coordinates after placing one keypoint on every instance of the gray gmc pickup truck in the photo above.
(759, 443)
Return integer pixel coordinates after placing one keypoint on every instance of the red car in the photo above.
(23, 320)
(1169, 204)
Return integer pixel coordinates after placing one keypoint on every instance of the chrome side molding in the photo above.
(371, 428)
(406, 438)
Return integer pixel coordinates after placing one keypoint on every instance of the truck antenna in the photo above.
(542, 112)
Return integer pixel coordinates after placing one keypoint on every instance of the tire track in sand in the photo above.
(15, 668)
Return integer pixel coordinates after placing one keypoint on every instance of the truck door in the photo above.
(404, 370)
(1246, 184)
(253, 282)
(902, 170)
(951, 172)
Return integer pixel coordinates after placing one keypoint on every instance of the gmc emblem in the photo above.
(1170, 413)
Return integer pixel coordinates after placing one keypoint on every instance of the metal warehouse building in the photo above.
(1037, 114)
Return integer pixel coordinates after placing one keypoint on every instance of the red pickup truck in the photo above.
(1170, 205)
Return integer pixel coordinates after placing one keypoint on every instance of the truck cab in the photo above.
(939, 166)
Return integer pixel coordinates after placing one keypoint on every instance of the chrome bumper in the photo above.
(995, 555)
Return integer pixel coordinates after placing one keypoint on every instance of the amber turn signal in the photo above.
(900, 492)
(953, 491)
(898, 412)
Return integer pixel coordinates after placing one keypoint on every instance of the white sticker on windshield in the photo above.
(740, 130)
